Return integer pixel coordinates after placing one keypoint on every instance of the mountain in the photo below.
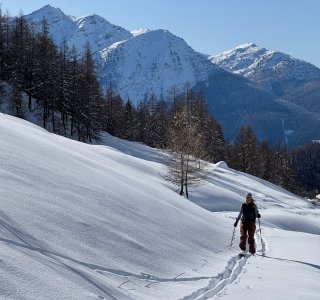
(136, 63)
(153, 62)
(235, 100)
(144, 62)
(273, 71)
(78, 31)
(290, 78)
(81, 221)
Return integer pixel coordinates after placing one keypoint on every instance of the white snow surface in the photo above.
(81, 221)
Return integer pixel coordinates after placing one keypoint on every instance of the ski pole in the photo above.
(232, 236)
(260, 235)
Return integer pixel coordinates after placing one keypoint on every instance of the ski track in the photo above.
(234, 268)
(95, 275)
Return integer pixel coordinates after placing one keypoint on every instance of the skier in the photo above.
(248, 214)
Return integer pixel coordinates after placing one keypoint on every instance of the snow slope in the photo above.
(82, 221)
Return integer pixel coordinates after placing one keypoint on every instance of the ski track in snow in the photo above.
(234, 268)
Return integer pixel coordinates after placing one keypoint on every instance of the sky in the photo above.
(208, 26)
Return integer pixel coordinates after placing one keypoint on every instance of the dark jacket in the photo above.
(248, 212)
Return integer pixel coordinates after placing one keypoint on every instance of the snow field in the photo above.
(82, 221)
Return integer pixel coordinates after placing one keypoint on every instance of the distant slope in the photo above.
(235, 101)
(307, 96)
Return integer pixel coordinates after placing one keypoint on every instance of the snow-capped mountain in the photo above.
(153, 62)
(77, 31)
(137, 63)
(274, 71)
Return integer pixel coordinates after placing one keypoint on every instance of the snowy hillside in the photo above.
(82, 221)
(274, 71)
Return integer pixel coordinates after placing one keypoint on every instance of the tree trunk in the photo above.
(30, 103)
(182, 176)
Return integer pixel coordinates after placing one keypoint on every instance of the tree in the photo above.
(4, 47)
(16, 104)
(46, 75)
(306, 162)
(283, 172)
(140, 124)
(185, 166)
(208, 128)
(246, 144)
(265, 161)
(129, 117)
(65, 85)
(90, 100)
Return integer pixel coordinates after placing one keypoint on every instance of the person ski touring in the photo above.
(248, 214)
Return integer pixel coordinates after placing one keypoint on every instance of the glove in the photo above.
(235, 224)
(258, 216)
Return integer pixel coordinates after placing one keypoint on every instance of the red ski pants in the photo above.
(247, 230)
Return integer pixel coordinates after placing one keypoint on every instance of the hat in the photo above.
(249, 195)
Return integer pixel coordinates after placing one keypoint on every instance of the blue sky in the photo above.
(208, 26)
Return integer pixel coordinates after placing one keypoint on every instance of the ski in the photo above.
(242, 254)
(245, 254)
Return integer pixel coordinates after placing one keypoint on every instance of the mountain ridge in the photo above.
(274, 71)
(152, 62)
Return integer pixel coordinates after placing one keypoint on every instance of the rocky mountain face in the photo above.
(144, 62)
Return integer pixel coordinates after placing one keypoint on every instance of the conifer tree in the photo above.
(90, 104)
(140, 124)
(129, 118)
(46, 75)
(246, 144)
(16, 104)
(265, 161)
